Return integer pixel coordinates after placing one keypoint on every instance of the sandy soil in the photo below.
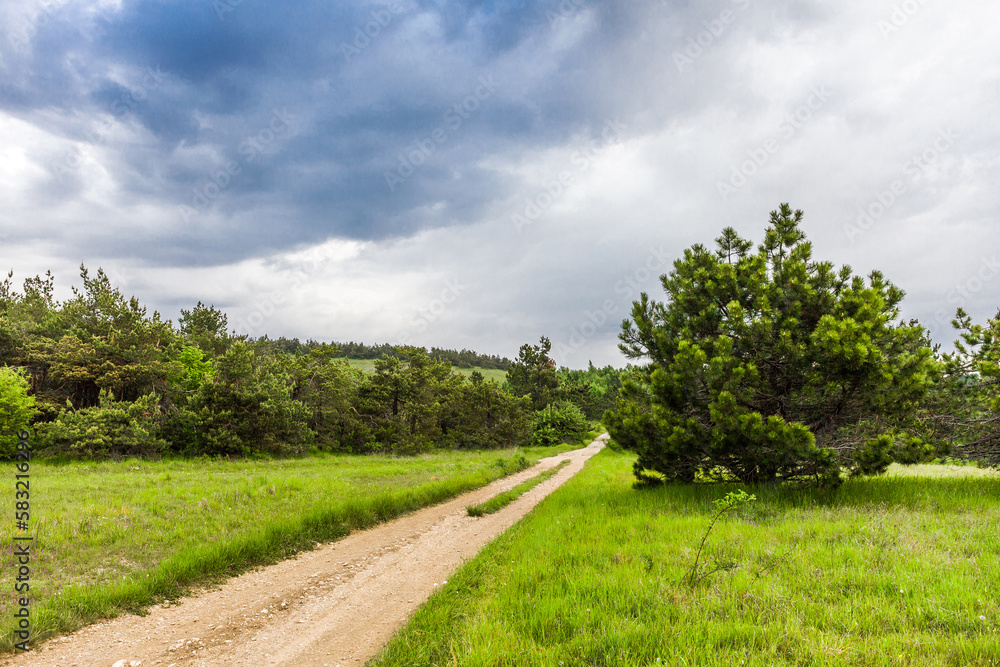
(336, 605)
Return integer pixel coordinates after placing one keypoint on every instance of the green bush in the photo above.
(559, 422)
(16, 410)
(246, 407)
(484, 416)
(112, 429)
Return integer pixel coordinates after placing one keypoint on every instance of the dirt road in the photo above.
(336, 606)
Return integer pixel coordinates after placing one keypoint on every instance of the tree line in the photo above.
(98, 376)
(353, 350)
(458, 358)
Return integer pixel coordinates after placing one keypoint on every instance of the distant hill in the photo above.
(352, 350)
(368, 366)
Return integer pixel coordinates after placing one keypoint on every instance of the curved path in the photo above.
(337, 605)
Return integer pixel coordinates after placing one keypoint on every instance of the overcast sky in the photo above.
(481, 173)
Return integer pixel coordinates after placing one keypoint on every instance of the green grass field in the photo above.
(368, 366)
(119, 536)
(897, 570)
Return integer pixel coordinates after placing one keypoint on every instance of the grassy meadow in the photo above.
(368, 366)
(120, 536)
(902, 569)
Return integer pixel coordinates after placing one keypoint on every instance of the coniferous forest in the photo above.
(99, 376)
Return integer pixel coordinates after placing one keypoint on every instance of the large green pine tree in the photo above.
(766, 365)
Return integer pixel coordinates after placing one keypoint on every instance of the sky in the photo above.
(479, 174)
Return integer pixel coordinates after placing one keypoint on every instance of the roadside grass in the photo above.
(112, 537)
(368, 366)
(896, 570)
(501, 500)
(950, 469)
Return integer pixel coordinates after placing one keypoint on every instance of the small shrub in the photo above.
(559, 422)
(697, 572)
(16, 410)
(112, 429)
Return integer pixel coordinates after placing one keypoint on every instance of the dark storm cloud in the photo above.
(371, 85)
